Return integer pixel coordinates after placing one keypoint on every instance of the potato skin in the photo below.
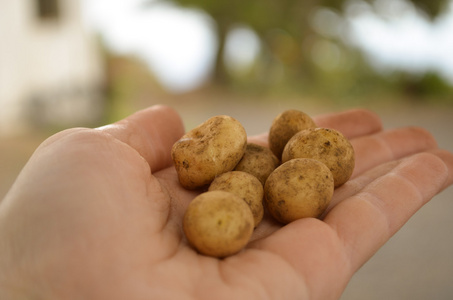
(212, 148)
(326, 145)
(298, 188)
(244, 185)
(218, 223)
(284, 126)
(258, 161)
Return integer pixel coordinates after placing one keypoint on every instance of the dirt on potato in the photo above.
(259, 161)
(326, 145)
(299, 188)
(285, 126)
(212, 148)
(244, 185)
(218, 223)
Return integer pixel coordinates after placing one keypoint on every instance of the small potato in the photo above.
(326, 145)
(284, 126)
(244, 185)
(218, 223)
(258, 161)
(212, 148)
(298, 189)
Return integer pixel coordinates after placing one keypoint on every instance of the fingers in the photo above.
(351, 123)
(353, 186)
(447, 158)
(373, 150)
(331, 251)
(367, 219)
(372, 146)
(151, 132)
(261, 139)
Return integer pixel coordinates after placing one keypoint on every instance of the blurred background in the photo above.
(66, 63)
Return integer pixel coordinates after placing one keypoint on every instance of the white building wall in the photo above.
(49, 69)
(12, 83)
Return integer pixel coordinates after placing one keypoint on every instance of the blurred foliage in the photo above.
(425, 85)
(129, 85)
(299, 55)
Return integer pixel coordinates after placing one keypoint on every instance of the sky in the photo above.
(406, 40)
(179, 45)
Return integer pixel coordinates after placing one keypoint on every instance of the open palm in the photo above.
(97, 213)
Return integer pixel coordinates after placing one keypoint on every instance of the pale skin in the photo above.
(96, 214)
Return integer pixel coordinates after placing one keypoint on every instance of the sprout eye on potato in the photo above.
(294, 178)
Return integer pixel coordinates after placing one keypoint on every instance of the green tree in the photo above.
(284, 28)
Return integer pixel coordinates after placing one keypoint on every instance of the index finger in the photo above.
(351, 123)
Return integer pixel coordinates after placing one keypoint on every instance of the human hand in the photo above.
(97, 213)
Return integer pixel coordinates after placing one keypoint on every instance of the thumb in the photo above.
(151, 132)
